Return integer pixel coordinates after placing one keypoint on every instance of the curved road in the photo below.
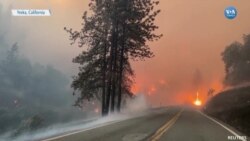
(173, 124)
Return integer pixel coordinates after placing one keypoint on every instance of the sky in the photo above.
(187, 58)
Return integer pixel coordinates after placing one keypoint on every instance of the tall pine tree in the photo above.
(115, 33)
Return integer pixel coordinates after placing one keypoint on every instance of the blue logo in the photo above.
(230, 12)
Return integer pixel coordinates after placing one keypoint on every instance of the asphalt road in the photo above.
(172, 124)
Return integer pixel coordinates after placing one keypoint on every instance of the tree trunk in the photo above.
(109, 80)
(114, 73)
(111, 68)
(104, 108)
(121, 71)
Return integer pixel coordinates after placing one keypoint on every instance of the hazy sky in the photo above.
(195, 34)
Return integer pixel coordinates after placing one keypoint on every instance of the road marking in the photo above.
(79, 131)
(157, 135)
(231, 131)
(90, 128)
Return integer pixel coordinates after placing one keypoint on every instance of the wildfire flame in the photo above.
(197, 102)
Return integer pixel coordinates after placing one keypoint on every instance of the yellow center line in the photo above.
(157, 135)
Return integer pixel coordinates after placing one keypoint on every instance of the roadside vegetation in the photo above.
(32, 96)
(233, 105)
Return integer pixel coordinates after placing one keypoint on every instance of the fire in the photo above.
(197, 102)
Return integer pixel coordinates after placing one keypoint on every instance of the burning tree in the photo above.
(115, 33)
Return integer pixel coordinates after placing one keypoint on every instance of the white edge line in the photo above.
(222, 125)
(79, 131)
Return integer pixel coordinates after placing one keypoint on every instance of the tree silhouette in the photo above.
(116, 32)
(236, 58)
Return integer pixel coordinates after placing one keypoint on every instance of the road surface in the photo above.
(173, 124)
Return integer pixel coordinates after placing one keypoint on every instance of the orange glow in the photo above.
(135, 89)
(151, 90)
(197, 102)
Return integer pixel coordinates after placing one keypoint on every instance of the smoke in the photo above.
(53, 130)
(35, 98)
(197, 79)
(137, 104)
(136, 107)
(32, 95)
(4, 28)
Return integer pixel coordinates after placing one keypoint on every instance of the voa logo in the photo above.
(230, 12)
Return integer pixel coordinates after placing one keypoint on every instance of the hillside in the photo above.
(232, 107)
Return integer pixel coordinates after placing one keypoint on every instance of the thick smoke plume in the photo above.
(32, 96)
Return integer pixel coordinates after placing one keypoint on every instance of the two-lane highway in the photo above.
(172, 124)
